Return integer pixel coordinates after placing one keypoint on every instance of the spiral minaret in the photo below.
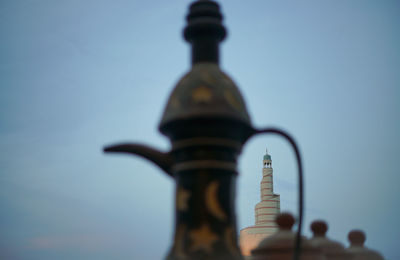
(265, 211)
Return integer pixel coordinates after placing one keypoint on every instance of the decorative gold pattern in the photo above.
(202, 239)
(202, 94)
(179, 242)
(232, 100)
(230, 241)
(182, 197)
(208, 77)
(175, 102)
(212, 202)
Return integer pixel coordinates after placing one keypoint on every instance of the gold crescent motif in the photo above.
(212, 202)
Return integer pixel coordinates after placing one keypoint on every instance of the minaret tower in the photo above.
(265, 211)
(269, 206)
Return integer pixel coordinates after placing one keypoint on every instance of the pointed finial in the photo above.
(267, 156)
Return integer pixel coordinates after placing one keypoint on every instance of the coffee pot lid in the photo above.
(205, 91)
(357, 248)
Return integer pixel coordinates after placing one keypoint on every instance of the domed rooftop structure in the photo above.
(281, 245)
(358, 250)
(331, 249)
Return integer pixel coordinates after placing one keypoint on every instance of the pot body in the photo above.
(205, 226)
(205, 172)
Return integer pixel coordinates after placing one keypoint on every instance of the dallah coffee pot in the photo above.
(207, 123)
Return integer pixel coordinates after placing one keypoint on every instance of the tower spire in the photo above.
(267, 161)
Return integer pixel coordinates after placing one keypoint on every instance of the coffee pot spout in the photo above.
(161, 159)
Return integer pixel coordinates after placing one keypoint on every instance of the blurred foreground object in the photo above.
(357, 248)
(280, 246)
(331, 249)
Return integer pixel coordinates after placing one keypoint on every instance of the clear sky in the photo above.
(77, 75)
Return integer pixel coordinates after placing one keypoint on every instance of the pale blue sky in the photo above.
(76, 75)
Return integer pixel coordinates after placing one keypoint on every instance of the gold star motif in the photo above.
(203, 239)
(212, 203)
(182, 199)
(201, 94)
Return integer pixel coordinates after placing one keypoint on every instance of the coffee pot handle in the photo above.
(291, 140)
(161, 159)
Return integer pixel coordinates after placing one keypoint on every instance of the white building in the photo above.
(265, 212)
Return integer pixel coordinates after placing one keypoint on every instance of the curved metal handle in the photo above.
(162, 160)
(291, 140)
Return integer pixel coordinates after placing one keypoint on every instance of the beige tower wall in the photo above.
(250, 237)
